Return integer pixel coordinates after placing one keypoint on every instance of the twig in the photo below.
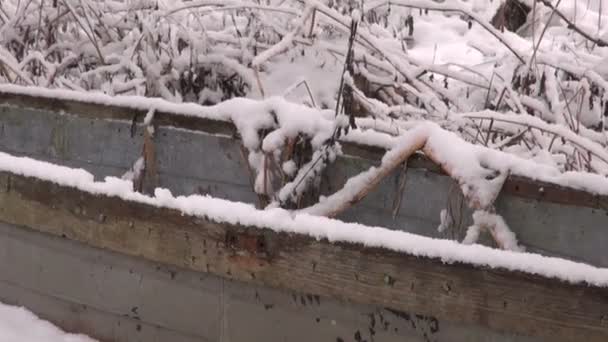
(306, 86)
(542, 34)
(597, 40)
(347, 62)
(562, 131)
(400, 190)
(259, 81)
(89, 35)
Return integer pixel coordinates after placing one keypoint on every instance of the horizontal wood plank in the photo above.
(515, 185)
(498, 299)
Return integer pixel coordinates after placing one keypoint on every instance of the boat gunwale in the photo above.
(515, 185)
(493, 297)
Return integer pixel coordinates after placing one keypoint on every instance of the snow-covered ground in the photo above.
(20, 325)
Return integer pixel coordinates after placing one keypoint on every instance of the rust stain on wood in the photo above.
(493, 298)
(149, 181)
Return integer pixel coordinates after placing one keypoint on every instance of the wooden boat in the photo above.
(121, 270)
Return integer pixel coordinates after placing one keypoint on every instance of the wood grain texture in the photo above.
(497, 299)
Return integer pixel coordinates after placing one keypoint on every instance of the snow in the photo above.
(308, 173)
(445, 221)
(136, 170)
(496, 226)
(19, 324)
(277, 219)
(472, 235)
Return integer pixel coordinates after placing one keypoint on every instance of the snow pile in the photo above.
(135, 172)
(19, 324)
(496, 226)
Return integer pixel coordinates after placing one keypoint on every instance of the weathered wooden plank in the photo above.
(117, 298)
(98, 111)
(545, 192)
(514, 185)
(196, 162)
(497, 299)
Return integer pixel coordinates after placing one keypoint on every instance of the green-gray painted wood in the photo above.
(195, 162)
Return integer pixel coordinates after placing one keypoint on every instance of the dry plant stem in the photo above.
(5, 73)
(418, 143)
(396, 61)
(39, 24)
(599, 18)
(596, 40)
(312, 23)
(454, 75)
(492, 231)
(542, 34)
(285, 42)
(224, 5)
(307, 87)
(571, 121)
(289, 149)
(266, 192)
(534, 21)
(88, 20)
(3, 15)
(479, 132)
(90, 35)
(384, 170)
(347, 65)
(580, 109)
(17, 72)
(545, 130)
(312, 98)
(400, 191)
(487, 140)
(259, 82)
(20, 11)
